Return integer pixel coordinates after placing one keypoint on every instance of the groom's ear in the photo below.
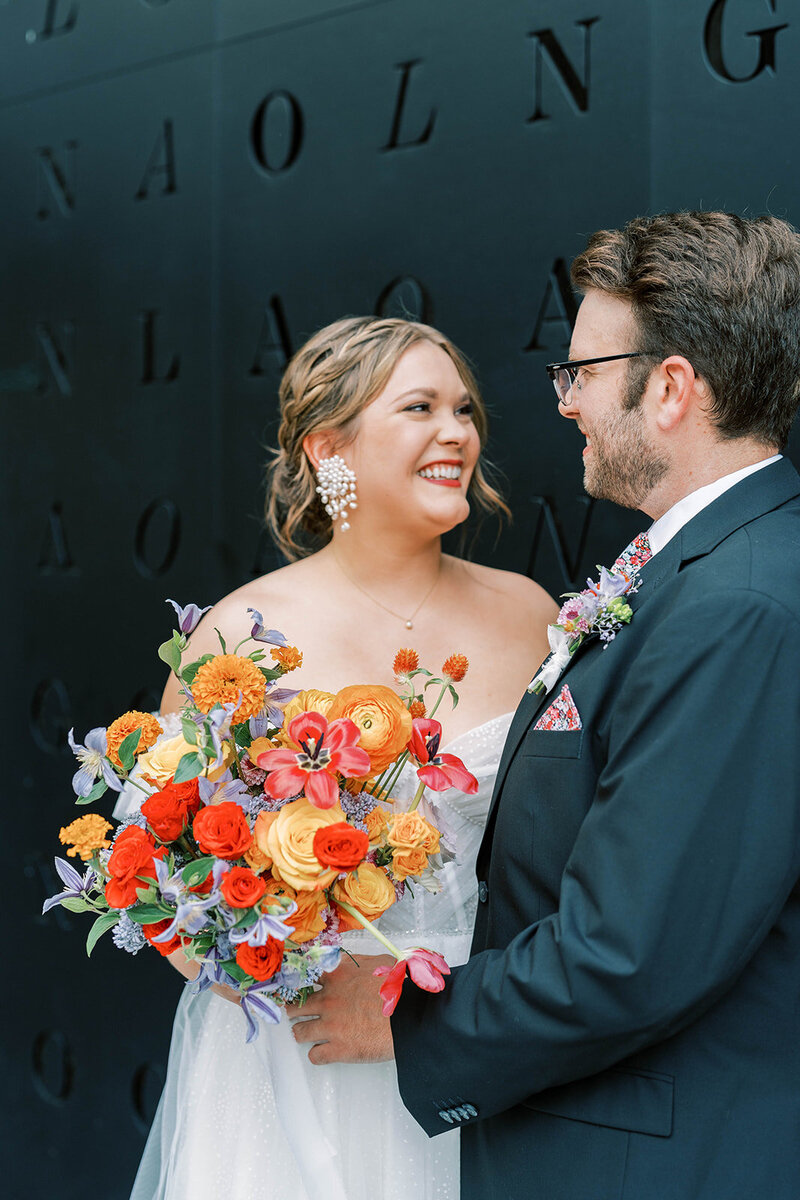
(677, 392)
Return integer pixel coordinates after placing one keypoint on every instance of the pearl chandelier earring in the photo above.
(336, 488)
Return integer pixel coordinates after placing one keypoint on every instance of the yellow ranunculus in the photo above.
(290, 843)
(311, 700)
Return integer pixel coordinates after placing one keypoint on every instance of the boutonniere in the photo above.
(599, 610)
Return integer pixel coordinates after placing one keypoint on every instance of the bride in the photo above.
(394, 403)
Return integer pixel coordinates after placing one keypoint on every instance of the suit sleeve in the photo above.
(683, 863)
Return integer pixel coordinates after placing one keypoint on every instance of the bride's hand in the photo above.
(344, 1021)
(190, 969)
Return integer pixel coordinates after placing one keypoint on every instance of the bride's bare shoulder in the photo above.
(510, 590)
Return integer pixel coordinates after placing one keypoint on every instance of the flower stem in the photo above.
(370, 928)
(417, 797)
(438, 702)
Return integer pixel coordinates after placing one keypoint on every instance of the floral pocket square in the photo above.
(562, 715)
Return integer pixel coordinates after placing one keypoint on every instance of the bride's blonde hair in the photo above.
(326, 386)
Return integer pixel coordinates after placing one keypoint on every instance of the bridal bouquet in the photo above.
(266, 826)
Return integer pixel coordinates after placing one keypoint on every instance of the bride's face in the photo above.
(416, 445)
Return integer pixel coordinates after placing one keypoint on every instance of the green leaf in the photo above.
(146, 894)
(189, 767)
(104, 921)
(271, 673)
(221, 640)
(235, 971)
(189, 730)
(243, 736)
(188, 673)
(75, 904)
(453, 693)
(127, 750)
(257, 655)
(148, 914)
(195, 872)
(99, 789)
(169, 653)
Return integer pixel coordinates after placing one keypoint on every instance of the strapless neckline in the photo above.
(477, 729)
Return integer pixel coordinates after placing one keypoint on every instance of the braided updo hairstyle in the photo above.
(327, 384)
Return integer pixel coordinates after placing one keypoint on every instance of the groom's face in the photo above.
(620, 461)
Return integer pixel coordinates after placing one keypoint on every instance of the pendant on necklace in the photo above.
(409, 624)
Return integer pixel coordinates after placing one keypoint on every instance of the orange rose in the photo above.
(341, 846)
(410, 831)
(258, 856)
(408, 862)
(260, 961)
(382, 718)
(309, 920)
(377, 822)
(130, 861)
(152, 931)
(222, 830)
(368, 889)
(290, 842)
(241, 888)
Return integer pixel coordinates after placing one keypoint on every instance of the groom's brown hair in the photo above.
(723, 292)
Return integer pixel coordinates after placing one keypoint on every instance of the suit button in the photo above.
(444, 1113)
(483, 891)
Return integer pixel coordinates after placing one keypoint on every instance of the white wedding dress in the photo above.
(259, 1122)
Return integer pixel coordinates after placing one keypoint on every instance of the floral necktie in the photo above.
(633, 557)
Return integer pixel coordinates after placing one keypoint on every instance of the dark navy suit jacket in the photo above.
(628, 1026)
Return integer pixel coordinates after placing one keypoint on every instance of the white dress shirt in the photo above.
(673, 520)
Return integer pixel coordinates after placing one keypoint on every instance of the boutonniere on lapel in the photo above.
(598, 611)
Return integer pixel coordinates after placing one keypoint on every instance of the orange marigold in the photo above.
(86, 835)
(405, 661)
(118, 730)
(289, 657)
(220, 680)
(455, 667)
(417, 709)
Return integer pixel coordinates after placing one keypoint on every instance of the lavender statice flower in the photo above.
(127, 935)
(188, 617)
(356, 808)
(133, 818)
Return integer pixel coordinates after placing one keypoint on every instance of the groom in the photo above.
(628, 1026)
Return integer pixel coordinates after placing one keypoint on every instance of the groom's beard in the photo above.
(623, 465)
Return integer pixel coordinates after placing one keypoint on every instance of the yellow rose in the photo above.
(290, 842)
(160, 764)
(383, 720)
(368, 889)
(310, 700)
(259, 746)
(410, 831)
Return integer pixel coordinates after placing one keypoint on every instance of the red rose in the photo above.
(340, 846)
(168, 811)
(130, 861)
(260, 961)
(152, 931)
(242, 888)
(222, 830)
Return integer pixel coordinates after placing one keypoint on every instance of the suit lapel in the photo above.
(756, 495)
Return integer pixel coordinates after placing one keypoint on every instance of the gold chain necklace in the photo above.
(407, 621)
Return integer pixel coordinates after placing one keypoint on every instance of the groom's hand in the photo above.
(346, 1021)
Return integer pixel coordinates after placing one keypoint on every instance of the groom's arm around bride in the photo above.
(628, 1025)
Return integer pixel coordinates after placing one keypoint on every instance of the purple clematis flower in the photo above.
(188, 617)
(190, 913)
(227, 788)
(610, 585)
(92, 758)
(266, 926)
(75, 887)
(259, 634)
(256, 1005)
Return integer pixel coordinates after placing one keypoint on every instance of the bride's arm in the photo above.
(190, 969)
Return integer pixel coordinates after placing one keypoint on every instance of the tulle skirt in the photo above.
(258, 1121)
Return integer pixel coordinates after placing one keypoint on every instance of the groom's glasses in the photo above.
(564, 374)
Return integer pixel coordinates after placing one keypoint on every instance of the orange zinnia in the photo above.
(221, 679)
(455, 667)
(118, 730)
(405, 661)
(289, 657)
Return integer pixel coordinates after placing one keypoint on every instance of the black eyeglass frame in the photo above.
(551, 368)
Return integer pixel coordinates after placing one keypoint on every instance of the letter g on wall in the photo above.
(713, 36)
